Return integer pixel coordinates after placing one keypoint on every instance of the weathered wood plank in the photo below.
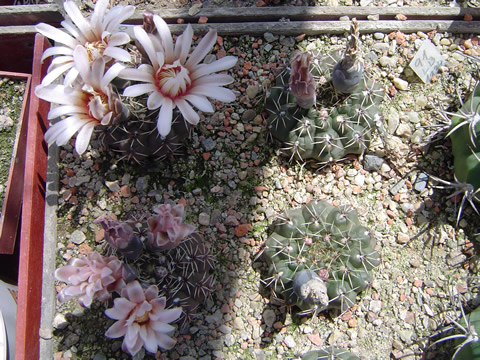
(29, 14)
(333, 27)
(312, 13)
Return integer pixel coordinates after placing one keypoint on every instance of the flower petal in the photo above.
(72, 29)
(62, 131)
(80, 59)
(58, 111)
(169, 315)
(117, 53)
(183, 44)
(56, 50)
(166, 36)
(97, 16)
(118, 329)
(116, 16)
(164, 121)
(224, 63)
(155, 100)
(83, 137)
(76, 16)
(120, 310)
(57, 94)
(71, 76)
(55, 73)
(159, 326)
(214, 92)
(56, 35)
(136, 75)
(138, 89)
(149, 339)
(214, 79)
(187, 111)
(200, 102)
(118, 38)
(135, 292)
(144, 40)
(165, 341)
(202, 49)
(111, 74)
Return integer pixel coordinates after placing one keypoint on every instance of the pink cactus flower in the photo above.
(89, 277)
(167, 229)
(120, 236)
(302, 84)
(142, 319)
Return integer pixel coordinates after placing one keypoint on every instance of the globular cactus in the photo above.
(184, 275)
(464, 131)
(136, 138)
(468, 343)
(320, 257)
(313, 129)
(331, 353)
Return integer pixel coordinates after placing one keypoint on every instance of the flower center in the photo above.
(94, 49)
(173, 80)
(142, 319)
(97, 104)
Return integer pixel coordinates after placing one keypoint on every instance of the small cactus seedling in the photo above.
(310, 127)
(330, 353)
(320, 257)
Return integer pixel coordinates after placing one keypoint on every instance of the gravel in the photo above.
(233, 193)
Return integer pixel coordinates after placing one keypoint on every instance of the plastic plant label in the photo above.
(427, 61)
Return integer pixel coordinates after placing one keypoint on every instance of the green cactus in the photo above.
(464, 131)
(317, 133)
(330, 353)
(326, 130)
(469, 342)
(136, 138)
(320, 257)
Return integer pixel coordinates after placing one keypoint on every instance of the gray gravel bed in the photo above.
(235, 181)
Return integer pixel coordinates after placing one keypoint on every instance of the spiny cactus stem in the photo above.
(468, 191)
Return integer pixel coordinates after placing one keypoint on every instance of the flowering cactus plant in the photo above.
(142, 319)
(90, 277)
(166, 228)
(175, 78)
(164, 248)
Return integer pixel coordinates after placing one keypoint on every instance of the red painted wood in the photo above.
(13, 198)
(32, 221)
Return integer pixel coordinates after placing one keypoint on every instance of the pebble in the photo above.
(289, 341)
(208, 144)
(142, 183)
(269, 37)
(59, 321)
(455, 258)
(77, 237)
(204, 219)
(402, 238)
(113, 186)
(252, 91)
(403, 130)
(420, 182)
(269, 317)
(400, 84)
(372, 162)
